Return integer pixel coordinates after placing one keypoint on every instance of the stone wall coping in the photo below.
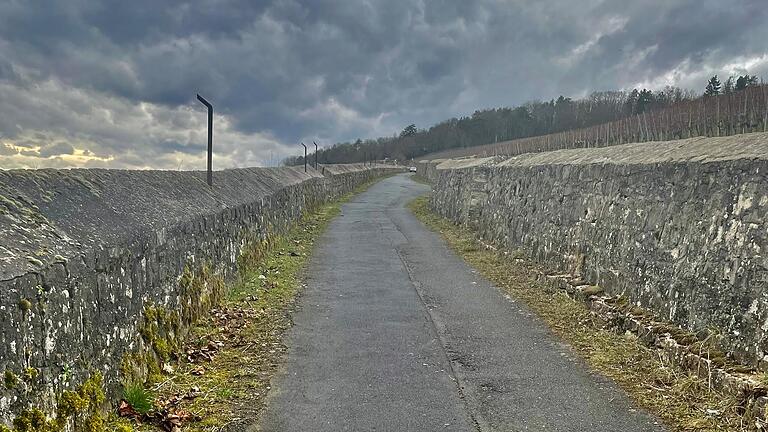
(751, 146)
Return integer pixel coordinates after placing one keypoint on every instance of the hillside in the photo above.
(603, 118)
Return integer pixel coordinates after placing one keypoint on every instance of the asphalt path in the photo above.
(394, 332)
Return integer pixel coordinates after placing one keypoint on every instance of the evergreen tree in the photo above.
(644, 100)
(728, 88)
(741, 83)
(713, 87)
(745, 81)
(409, 130)
(631, 103)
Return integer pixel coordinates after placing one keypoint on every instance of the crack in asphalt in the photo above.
(455, 376)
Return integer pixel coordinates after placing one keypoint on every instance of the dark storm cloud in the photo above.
(662, 34)
(57, 149)
(104, 74)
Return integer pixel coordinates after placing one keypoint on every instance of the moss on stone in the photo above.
(30, 374)
(161, 329)
(32, 420)
(200, 291)
(84, 403)
(10, 379)
(132, 367)
(254, 252)
(25, 305)
(120, 427)
(70, 403)
(83, 406)
(9, 203)
(154, 374)
(28, 210)
(162, 348)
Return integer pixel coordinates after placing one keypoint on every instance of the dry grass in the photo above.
(419, 179)
(682, 400)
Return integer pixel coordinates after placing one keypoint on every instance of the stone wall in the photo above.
(679, 227)
(85, 253)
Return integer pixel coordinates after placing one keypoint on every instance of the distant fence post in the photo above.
(305, 157)
(315, 153)
(210, 138)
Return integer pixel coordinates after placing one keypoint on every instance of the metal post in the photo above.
(305, 157)
(315, 153)
(210, 138)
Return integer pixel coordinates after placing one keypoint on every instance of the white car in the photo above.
(412, 169)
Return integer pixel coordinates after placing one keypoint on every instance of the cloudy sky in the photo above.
(113, 83)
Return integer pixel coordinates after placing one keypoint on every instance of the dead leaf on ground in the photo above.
(175, 419)
(125, 409)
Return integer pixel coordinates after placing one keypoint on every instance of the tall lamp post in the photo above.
(210, 138)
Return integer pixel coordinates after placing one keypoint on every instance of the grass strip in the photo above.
(419, 179)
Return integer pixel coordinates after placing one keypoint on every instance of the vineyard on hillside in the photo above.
(733, 113)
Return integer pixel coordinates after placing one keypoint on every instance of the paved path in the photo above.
(396, 333)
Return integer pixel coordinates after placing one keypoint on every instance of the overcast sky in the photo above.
(113, 83)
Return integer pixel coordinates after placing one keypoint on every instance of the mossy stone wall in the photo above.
(99, 268)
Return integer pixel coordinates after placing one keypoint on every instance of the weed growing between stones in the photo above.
(231, 354)
(140, 399)
(683, 400)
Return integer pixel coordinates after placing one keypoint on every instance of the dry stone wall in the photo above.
(679, 227)
(84, 254)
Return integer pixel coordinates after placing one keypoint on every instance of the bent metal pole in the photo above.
(315, 153)
(305, 157)
(210, 138)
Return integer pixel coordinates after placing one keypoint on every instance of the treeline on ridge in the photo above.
(602, 118)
